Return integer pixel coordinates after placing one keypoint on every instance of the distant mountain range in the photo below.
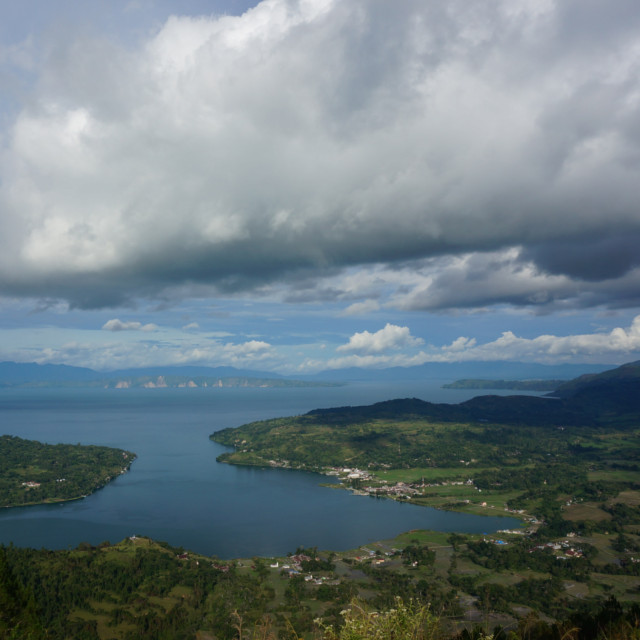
(18, 374)
(456, 370)
(15, 374)
(513, 385)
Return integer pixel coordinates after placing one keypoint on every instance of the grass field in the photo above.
(585, 511)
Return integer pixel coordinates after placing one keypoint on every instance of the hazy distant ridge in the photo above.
(516, 385)
(13, 374)
(16, 374)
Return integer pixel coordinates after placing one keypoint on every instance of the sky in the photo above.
(301, 185)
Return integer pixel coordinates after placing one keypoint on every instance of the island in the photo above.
(35, 473)
(204, 382)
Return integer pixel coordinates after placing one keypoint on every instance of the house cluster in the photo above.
(563, 550)
(31, 484)
(283, 464)
(445, 483)
(294, 568)
(398, 490)
(515, 532)
(347, 473)
(321, 580)
(185, 556)
(371, 555)
(571, 501)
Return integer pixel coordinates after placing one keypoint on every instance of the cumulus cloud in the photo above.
(117, 325)
(391, 337)
(250, 348)
(613, 346)
(550, 348)
(460, 344)
(299, 137)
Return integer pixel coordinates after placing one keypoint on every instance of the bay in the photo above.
(177, 492)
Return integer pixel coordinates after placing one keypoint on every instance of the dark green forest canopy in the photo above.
(33, 473)
(141, 589)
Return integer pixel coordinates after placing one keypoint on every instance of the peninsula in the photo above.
(519, 454)
(35, 473)
(568, 467)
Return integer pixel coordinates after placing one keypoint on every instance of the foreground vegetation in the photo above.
(420, 585)
(34, 473)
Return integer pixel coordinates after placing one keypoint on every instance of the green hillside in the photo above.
(627, 373)
(417, 586)
(568, 467)
(484, 431)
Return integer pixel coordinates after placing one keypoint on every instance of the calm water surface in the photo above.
(177, 492)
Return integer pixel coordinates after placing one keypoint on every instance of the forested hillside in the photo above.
(415, 587)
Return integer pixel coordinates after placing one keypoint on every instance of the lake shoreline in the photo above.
(178, 493)
(525, 519)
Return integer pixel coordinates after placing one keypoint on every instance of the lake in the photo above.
(177, 492)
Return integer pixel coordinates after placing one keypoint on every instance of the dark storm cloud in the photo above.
(508, 278)
(592, 259)
(499, 139)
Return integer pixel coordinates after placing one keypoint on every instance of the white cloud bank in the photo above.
(391, 346)
(377, 349)
(106, 356)
(319, 134)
